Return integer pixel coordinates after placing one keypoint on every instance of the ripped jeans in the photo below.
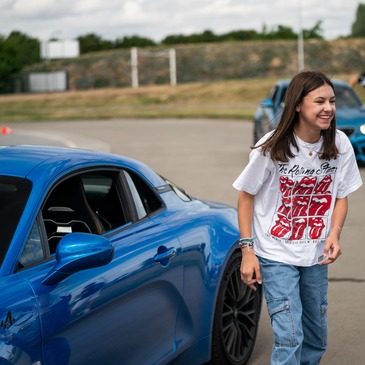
(296, 299)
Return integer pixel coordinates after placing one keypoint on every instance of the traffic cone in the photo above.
(6, 130)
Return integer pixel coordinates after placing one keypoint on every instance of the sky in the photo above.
(156, 19)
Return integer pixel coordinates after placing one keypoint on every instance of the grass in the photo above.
(235, 99)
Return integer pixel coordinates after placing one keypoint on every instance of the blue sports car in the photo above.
(103, 261)
(350, 114)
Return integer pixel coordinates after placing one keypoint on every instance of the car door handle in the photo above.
(164, 257)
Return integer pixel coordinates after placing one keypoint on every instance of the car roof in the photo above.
(335, 82)
(46, 161)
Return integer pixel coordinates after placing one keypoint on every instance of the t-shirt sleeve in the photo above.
(350, 175)
(258, 169)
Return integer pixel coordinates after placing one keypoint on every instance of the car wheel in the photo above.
(236, 317)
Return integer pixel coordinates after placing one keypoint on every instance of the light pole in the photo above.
(300, 38)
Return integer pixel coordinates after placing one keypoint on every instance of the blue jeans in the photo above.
(296, 299)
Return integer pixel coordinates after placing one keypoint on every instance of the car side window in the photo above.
(88, 202)
(141, 211)
(33, 250)
(91, 202)
(145, 200)
(277, 95)
(104, 196)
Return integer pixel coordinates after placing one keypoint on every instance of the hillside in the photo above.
(210, 62)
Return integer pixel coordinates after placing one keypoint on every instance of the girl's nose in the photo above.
(329, 106)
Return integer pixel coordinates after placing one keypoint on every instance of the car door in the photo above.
(121, 313)
(20, 329)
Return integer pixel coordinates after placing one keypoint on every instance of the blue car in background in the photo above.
(103, 261)
(350, 114)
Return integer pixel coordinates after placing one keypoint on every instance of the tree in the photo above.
(241, 35)
(315, 32)
(92, 42)
(27, 49)
(358, 27)
(281, 32)
(16, 51)
(6, 67)
(205, 37)
(133, 41)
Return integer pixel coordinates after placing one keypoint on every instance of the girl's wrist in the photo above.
(336, 230)
(246, 243)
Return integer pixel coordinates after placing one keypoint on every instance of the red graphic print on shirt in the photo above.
(302, 210)
(298, 227)
(305, 186)
(285, 207)
(281, 227)
(316, 227)
(286, 185)
(324, 185)
(319, 205)
(300, 205)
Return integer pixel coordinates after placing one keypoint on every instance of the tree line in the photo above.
(18, 50)
(93, 43)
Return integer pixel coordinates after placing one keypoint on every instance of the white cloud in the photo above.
(158, 18)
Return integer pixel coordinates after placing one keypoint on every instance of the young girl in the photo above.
(292, 206)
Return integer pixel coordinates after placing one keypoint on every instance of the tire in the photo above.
(236, 318)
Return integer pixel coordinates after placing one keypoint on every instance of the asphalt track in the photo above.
(205, 156)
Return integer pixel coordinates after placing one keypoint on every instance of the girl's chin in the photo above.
(324, 125)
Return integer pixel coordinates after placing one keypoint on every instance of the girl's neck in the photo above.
(308, 136)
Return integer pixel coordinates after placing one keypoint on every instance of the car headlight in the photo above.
(362, 128)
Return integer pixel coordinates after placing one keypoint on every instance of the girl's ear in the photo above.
(297, 109)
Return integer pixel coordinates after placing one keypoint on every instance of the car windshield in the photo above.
(14, 193)
(346, 98)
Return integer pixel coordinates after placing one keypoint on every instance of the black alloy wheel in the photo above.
(236, 317)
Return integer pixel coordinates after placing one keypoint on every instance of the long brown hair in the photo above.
(279, 143)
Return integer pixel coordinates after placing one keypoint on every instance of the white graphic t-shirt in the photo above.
(294, 201)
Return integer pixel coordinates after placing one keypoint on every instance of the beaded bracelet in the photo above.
(246, 243)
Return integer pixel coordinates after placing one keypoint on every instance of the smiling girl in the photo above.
(292, 205)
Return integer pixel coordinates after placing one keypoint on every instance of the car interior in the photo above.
(90, 202)
(67, 210)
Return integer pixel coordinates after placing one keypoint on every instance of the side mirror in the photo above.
(79, 251)
(267, 103)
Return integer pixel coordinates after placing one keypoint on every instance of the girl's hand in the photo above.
(250, 269)
(332, 250)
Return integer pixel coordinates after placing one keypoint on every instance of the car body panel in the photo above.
(142, 293)
(108, 304)
(350, 114)
(20, 322)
